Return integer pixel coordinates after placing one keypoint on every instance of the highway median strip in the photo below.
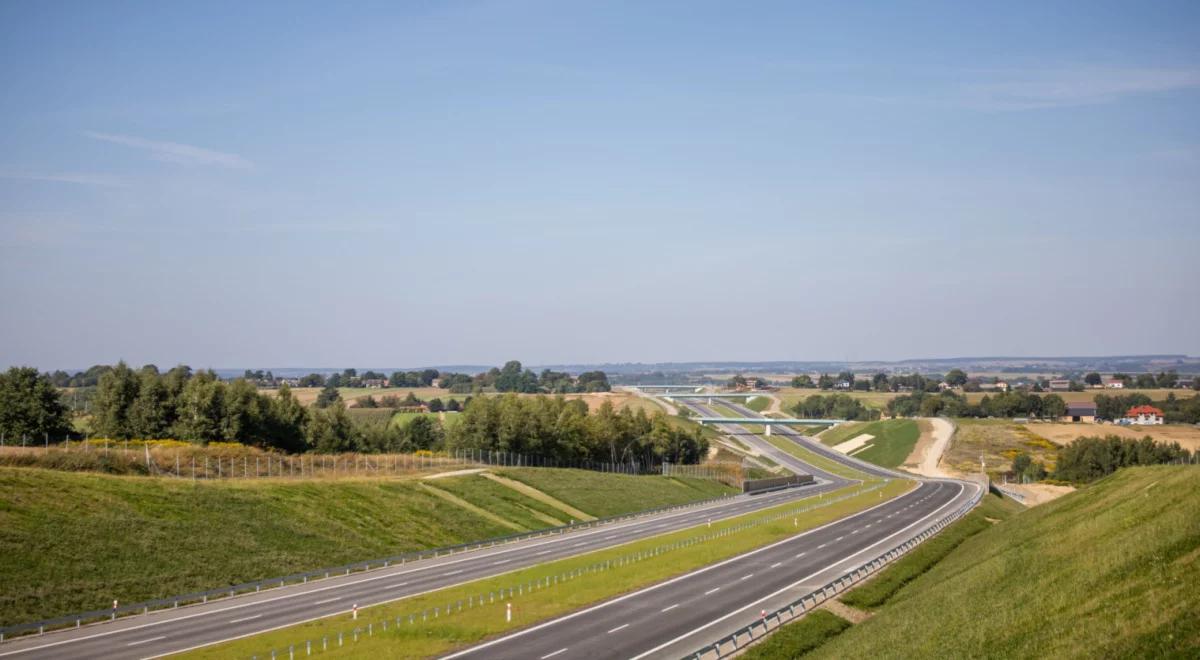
(459, 616)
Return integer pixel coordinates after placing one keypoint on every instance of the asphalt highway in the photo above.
(167, 631)
(660, 620)
(677, 617)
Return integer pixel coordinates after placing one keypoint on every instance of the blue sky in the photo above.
(466, 182)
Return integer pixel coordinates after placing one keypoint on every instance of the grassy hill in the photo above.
(894, 440)
(75, 541)
(1108, 571)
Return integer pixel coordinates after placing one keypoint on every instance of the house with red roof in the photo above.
(1143, 415)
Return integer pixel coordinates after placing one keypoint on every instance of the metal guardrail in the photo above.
(77, 619)
(736, 641)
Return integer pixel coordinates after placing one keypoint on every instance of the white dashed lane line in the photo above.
(712, 591)
(327, 600)
(551, 655)
(668, 609)
(143, 641)
(246, 618)
(620, 627)
(777, 564)
(747, 577)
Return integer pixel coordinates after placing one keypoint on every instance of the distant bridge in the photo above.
(767, 421)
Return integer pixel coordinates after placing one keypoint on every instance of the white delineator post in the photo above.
(354, 612)
(508, 613)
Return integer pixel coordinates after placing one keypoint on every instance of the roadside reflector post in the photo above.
(355, 612)
(508, 613)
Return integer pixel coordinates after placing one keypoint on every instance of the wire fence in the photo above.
(413, 620)
(182, 460)
(737, 641)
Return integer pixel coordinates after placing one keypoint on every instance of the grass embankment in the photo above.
(758, 403)
(1107, 571)
(473, 624)
(893, 440)
(74, 541)
(601, 494)
(796, 639)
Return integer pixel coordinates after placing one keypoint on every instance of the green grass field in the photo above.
(796, 639)
(758, 403)
(474, 624)
(894, 440)
(815, 459)
(75, 541)
(1106, 572)
(602, 494)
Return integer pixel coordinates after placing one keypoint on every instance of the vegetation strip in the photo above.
(418, 626)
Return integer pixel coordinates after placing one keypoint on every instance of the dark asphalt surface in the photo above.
(167, 631)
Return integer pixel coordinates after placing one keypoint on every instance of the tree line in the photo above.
(555, 428)
(1090, 458)
(833, 406)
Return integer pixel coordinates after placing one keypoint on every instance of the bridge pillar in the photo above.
(768, 433)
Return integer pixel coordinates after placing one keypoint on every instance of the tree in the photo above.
(30, 406)
(202, 409)
(880, 382)
(1053, 406)
(113, 403)
(803, 381)
(312, 380)
(288, 420)
(1167, 380)
(436, 405)
(1145, 381)
(328, 396)
(956, 378)
(825, 382)
(153, 411)
(423, 432)
(453, 406)
(330, 431)
(738, 381)
(1092, 379)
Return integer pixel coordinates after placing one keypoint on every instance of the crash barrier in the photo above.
(734, 643)
(775, 483)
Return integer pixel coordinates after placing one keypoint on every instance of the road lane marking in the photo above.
(452, 573)
(747, 577)
(822, 546)
(327, 600)
(620, 627)
(143, 641)
(726, 509)
(246, 618)
(502, 561)
(668, 609)
(712, 591)
(777, 564)
(397, 586)
(543, 552)
(800, 554)
(551, 655)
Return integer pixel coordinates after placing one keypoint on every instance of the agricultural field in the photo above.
(1105, 572)
(75, 541)
(1188, 436)
(997, 441)
(792, 395)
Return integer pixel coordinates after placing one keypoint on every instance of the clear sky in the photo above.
(237, 184)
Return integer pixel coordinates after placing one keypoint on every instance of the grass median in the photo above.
(694, 547)
(816, 460)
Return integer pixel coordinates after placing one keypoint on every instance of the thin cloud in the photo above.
(80, 178)
(174, 152)
(1057, 88)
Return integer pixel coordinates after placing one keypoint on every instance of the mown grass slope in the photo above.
(76, 541)
(1108, 571)
(602, 494)
(893, 442)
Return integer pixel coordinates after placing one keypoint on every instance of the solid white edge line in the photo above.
(492, 551)
(673, 580)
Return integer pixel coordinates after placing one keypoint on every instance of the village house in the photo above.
(1080, 412)
(1143, 415)
(1113, 383)
(1060, 385)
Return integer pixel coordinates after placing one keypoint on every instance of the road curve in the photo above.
(674, 618)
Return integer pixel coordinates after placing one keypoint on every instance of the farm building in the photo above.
(1060, 385)
(1143, 415)
(1080, 412)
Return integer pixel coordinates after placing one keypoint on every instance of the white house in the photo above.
(1143, 415)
